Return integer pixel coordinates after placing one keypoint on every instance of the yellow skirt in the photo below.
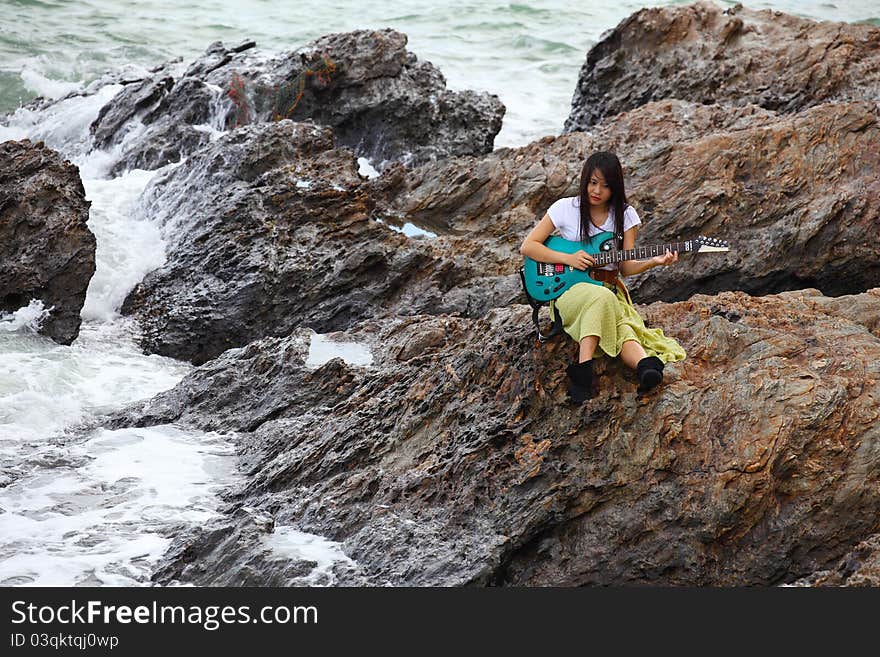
(588, 309)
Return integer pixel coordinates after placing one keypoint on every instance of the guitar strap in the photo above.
(556, 328)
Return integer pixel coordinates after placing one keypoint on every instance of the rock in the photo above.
(271, 228)
(260, 224)
(795, 195)
(379, 99)
(860, 567)
(47, 251)
(264, 565)
(388, 105)
(176, 115)
(734, 56)
(795, 198)
(458, 461)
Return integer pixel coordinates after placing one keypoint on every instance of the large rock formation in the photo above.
(380, 100)
(271, 228)
(733, 56)
(47, 251)
(795, 195)
(453, 459)
(797, 198)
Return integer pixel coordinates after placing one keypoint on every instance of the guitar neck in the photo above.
(642, 252)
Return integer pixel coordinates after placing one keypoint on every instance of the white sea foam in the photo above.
(289, 542)
(63, 126)
(322, 348)
(128, 245)
(45, 386)
(29, 317)
(102, 512)
(46, 87)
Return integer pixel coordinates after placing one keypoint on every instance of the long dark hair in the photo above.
(610, 167)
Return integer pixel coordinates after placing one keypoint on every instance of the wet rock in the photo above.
(459, 462)
(243, 546)
(47, 251)
(271, 228)
(735, 56)
(157, 120)
(380, 100)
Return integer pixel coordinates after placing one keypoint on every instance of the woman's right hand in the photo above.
(580, 260)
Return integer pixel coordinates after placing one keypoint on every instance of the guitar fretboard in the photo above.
(642, 252)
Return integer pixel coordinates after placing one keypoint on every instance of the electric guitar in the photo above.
(545, 281)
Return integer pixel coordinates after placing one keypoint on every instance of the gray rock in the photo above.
(707, 54)
(47, 251)
(794, 194)
(271, 228)
(453, 459)
(380, 100)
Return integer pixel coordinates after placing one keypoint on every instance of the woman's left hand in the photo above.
(667, 258)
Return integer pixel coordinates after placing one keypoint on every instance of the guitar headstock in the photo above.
(709, 244)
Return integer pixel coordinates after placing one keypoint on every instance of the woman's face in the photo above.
(598, 191)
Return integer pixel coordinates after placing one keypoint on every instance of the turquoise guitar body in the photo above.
(545, 281)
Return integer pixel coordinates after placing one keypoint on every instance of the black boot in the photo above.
(581, 377)
(650, 371)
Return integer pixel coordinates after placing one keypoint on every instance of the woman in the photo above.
(602, 316)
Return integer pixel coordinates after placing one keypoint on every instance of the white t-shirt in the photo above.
(566, 216)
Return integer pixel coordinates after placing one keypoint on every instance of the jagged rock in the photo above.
(265, 566)
(860, 567)
(271, 228)
(261, 224)
(134, 99)
(47, 251)
(795, 195)
(379, 99)
(499, 195)
(733, 56)
(177, 116)
(795, 198)
(386, 104)
(454, 459)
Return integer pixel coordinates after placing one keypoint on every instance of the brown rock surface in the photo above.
(47, 251)
(795, 195)
(797, 198)
(708, 54)
(453, 459)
